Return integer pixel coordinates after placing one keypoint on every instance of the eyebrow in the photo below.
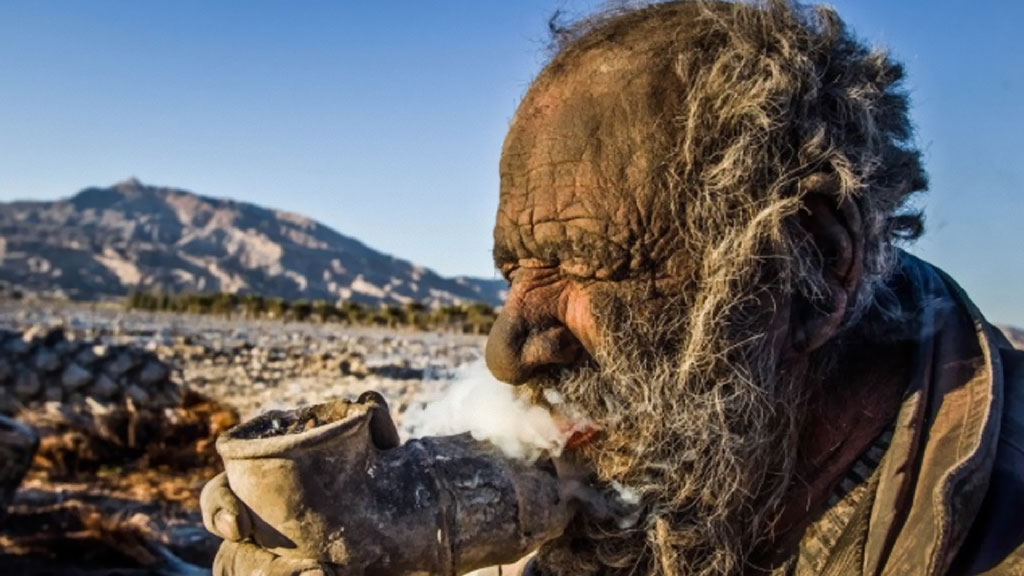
(502, 254)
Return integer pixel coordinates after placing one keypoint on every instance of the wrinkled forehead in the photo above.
(575, 165)
(572, 107)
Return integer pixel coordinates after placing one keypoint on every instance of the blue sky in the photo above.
(385, 119)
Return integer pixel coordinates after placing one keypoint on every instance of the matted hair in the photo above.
(747, 104)
(758, 96)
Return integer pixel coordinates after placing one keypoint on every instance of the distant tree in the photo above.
(301, 310)
(325, 310)
(480, 317)
(223, 303)
(415, 314)
(254, 305)
(277, 308)
(450, 317)
(354, 313)
(394, 315)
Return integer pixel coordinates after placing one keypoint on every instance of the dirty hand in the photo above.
(226, 516)
(243, 559)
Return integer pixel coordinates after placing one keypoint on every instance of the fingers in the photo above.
(243, 559)
(223, 513)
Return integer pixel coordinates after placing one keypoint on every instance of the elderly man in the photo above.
(701, 205)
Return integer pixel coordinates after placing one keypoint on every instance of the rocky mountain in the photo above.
(1015, 335)
(106, 242)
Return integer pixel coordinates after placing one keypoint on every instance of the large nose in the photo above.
(519, 349)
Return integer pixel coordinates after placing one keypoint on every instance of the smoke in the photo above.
(489, 410)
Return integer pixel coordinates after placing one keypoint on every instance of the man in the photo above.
(700, 209)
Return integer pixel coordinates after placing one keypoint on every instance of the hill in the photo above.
(106, 242)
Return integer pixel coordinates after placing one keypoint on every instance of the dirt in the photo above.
(100, 499)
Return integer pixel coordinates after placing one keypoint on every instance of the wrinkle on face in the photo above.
(576, 188)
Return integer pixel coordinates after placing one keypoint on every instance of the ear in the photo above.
(833, 224)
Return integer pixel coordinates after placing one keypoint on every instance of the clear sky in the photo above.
(385, 119)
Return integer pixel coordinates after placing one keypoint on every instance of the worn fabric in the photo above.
(947, 496)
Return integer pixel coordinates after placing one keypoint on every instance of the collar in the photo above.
(932, 480)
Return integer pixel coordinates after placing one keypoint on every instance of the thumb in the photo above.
(223, 513)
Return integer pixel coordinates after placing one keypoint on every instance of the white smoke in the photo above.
(488, 409)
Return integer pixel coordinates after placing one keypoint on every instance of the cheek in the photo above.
(578, 314)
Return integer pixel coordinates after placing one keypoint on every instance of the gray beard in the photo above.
(706, 434)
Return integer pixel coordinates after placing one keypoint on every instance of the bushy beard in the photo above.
(705, 432)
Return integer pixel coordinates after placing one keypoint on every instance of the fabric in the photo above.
(947, 497)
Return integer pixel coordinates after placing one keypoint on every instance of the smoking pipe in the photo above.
(331, 482)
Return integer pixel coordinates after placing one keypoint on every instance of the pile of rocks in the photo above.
(250, 365)
(44, 365)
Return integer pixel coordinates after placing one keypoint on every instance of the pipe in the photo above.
(331, 483)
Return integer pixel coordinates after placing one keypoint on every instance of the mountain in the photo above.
(1014, 335)
(106, 242)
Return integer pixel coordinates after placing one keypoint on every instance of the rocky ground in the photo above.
(250, 365)
(127, 405)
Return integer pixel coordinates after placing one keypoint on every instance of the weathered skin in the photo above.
(576, 213)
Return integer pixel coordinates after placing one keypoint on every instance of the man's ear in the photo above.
(833, 225)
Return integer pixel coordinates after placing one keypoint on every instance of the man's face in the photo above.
(606, 307)
(576, 217)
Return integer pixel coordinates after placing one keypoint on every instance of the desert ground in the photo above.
(128, 404)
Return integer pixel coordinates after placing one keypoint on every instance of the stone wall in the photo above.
(43, 365)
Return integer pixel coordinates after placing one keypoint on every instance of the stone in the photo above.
(75, 377)
(63, 348)
(18, 444)
(27, 385)
(5, 371)
(8, 404)
(137, 394)
(171, 396)
(16, 347)
(46, 361)
(35, 333)
(152, 373)
(85, 357)
(121, 364)
(104, 388)
(100, 351)
(53, 393)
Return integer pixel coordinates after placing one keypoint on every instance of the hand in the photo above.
(225, 516)
(243, 559)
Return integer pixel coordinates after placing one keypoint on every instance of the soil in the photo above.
(93, 505)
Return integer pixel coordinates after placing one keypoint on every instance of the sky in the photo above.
(385, 120)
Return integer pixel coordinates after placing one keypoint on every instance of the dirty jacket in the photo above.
(942, 491)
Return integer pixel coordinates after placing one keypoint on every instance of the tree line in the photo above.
(473, 318)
